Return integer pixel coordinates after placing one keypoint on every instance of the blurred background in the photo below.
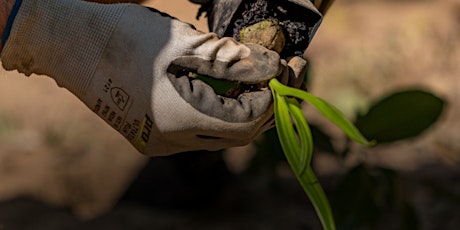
(61, 167)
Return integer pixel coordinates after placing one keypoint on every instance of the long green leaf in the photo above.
(285, 130)
(326, 109)
(306, 176)
(401, 115)
(303, 132)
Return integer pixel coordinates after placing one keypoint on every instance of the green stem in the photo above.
(318, 198)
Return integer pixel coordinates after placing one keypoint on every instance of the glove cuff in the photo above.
(62, 39)
(9, 23)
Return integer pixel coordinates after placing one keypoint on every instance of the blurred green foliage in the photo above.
(400, 115)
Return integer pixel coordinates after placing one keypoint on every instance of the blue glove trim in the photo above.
(9, 23)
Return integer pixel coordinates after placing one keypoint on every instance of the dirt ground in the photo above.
(61, 167)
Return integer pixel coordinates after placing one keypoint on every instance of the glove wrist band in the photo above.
(9, 23)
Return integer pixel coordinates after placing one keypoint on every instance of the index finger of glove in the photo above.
(299, 67)
(228, 60)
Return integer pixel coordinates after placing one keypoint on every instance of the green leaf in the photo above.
(285, 130)
(326, 109)
(304, 134)
(401, 115)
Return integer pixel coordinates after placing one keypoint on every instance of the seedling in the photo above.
(297, 142)
(296, 139)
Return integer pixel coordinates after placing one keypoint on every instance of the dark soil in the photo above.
(294, 21)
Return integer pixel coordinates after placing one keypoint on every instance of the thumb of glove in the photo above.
(294, 71)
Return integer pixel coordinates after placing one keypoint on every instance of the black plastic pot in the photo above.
(225, 18)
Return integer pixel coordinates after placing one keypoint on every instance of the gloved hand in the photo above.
(129, 65)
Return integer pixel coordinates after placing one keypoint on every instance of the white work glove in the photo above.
(126, 62)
